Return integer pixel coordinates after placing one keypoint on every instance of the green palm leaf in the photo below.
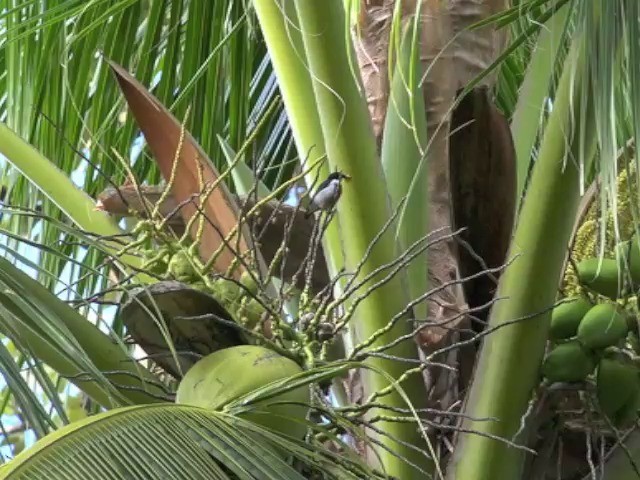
(50, 330)
(172, 442)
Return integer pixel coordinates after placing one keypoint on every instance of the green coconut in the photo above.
(568, 362)
(602, 276)
(617, 387)
(248, 280)
(566, 317)
(604, 325)
(250, 312)
(226, 291)
(633, 250)
(628, 413)
(225, 375)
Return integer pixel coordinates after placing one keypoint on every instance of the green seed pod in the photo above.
(617, 385)
(602, 276)
(603, 326)
(148, 253)
(252, 311)
(568, 362)
(156, 261)
(226, 291)
(201, 286)
(249, 282)
(158, 267)
(181, 268)
(566, 317)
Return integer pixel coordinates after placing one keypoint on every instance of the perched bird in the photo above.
(327, 193)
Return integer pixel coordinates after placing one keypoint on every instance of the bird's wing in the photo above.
(327, 196)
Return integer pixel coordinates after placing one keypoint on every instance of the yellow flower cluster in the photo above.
(588, 237)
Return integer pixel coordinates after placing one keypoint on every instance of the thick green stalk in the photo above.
(623, 462)
(363, 210)
(508, 367)
(279, 25)
(534, 91)
(403, 159)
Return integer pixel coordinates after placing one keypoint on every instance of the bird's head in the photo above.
(339, 176)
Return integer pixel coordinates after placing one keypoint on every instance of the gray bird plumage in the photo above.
(327, 194)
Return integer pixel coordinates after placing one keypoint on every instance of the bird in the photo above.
(327, 193)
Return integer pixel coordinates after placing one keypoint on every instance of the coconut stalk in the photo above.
(363, 211)
(279, 26)
(327, 111)
(533, 92)
(508, 367)
(404, 156)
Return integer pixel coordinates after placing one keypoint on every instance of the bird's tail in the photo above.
(311, 209)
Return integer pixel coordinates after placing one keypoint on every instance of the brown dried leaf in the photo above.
(483, 190)
(163, 133)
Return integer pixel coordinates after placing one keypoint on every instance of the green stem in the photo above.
(362, 211)
(534, 90)
(404, 158)
(279, 25)
(508, 367)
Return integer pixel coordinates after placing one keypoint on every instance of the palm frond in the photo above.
(175, 442)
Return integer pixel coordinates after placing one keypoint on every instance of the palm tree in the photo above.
(421, 104)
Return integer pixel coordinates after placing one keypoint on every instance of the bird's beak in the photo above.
(346, 177)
